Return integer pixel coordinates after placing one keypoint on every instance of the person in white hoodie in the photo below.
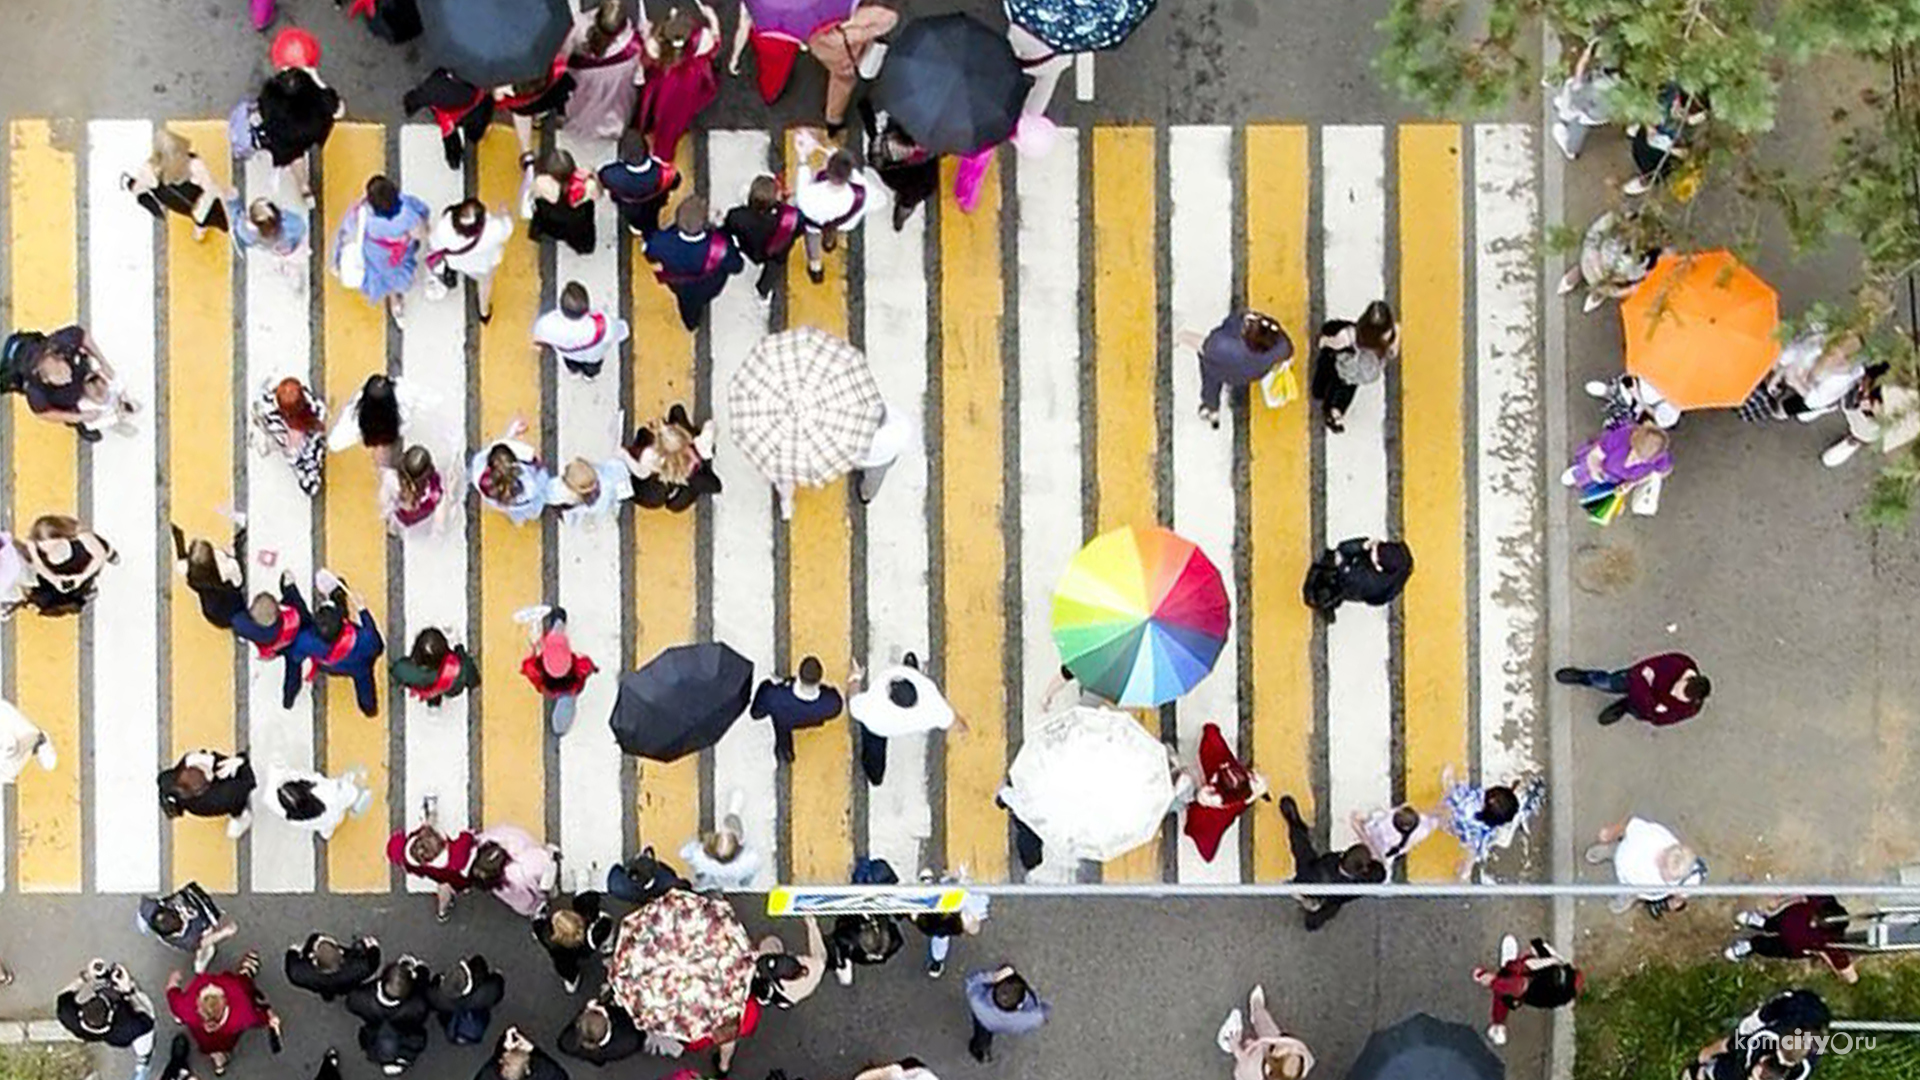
(21, 741)
(723, 859)
(315, 801)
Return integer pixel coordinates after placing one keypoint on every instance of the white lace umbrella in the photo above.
(1091, 783)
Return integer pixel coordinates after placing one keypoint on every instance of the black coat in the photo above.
(600, 928)
(125, 1024)
(366, 1002)
(489, 986)
(223, 798)
(1362, 582)
(358, 966)
(623, 1039)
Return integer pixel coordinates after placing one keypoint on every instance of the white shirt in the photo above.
(485, 254)
(612, 476)
(894, 435)
(579, 340)
(710, 873)
(820, 200)
(337, 794)
(413, 403)
(1636, 858)
(876, 712)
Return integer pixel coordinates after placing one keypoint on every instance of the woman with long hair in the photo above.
(217, 577)
(435, 669)
(378, 246)
(1352, 355)
(509, 477)
(681, 53)
(559, 202)
(604, 53)
(377, 417)
(66, 559)
(292, 117)
(290, 420)
(412, 492)
(670, 462)
(1225, 788)
(314, 801)
(173, 178)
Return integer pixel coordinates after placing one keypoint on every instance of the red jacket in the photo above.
(244, 1010)
(1654, 701)
(450, 870)
(549, 687)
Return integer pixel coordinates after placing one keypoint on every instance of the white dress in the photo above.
(20, 742)
(485, 255)
(338, 796)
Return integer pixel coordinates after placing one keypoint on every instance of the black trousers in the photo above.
(873, 755)
(1027, 844)
(1329, 389)
(644, 217)
(693, 308)
(1300, 842)
(771, 272)
(782, 741)
(981, 1045)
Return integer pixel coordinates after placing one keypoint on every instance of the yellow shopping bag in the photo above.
(1280, 386)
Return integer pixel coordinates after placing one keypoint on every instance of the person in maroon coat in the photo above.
(429, 853)
(1661, 690)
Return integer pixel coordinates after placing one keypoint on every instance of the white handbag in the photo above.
(352, 264)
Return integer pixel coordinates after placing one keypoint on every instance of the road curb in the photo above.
(22, 1032)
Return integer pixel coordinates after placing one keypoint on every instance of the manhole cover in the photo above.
(1604, 569)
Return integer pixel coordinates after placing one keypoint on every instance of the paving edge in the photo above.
(22, 1032)
(1553, 341)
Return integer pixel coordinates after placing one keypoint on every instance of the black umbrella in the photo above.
(1423, 1048)
(953, 84)
(495, 42)
(682, 701)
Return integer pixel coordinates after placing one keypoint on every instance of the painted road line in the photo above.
(45, 281)
(126, 692)
(200, 482)
(1433, 475)
(664, 559)
(899, 812)
(1050, 361)
(973, 491)
(1126, 349)
(1204, 500)
(1359, 697)
(279, 343)
(1280, 495)
(1508, 528)
(820, 611)
(742, 554)
(434, 562)
(513, 728)
(353, 544)
(588, 413)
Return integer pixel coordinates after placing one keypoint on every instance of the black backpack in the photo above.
(17, 358)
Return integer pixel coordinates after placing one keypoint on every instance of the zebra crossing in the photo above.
(1031, 343)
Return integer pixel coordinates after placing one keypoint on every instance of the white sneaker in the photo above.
(1593, 303)
(1228, 1038)
(1597, 388)
(1568, 282)
(1497, 1034)
(844, 974)
(237, 827)
(1509, 950)
(1568, 478)
(44, 754)
(1739, 950)
(325, 581)
(1638, 185)
(1839, 453)
(1750, 919)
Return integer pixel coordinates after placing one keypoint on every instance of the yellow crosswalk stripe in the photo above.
(1279, 494)
(513, 779)
(668, 810)
(1433, 474)
(45, 279)
(820, 609)
(199, 394)
(973, 492)
(353, 544)
(1125, 350)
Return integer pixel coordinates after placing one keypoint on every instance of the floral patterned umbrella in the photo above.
(683, 966)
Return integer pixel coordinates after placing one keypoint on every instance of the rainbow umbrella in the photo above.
(1140, 616)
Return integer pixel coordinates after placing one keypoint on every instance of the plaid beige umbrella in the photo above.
(683, 966)
(804, 407)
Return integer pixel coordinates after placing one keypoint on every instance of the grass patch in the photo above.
(1646, 1025)
(45, 1061)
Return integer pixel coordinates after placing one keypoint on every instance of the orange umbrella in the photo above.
(1700, 329)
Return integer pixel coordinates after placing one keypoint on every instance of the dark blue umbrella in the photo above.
(682, 701)
(1423, 1048)
(1080, 25)
(494, 42)
(952, 84)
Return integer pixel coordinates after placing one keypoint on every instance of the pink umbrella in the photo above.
(797, 19)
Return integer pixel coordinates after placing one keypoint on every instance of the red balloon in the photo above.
(294, 47)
